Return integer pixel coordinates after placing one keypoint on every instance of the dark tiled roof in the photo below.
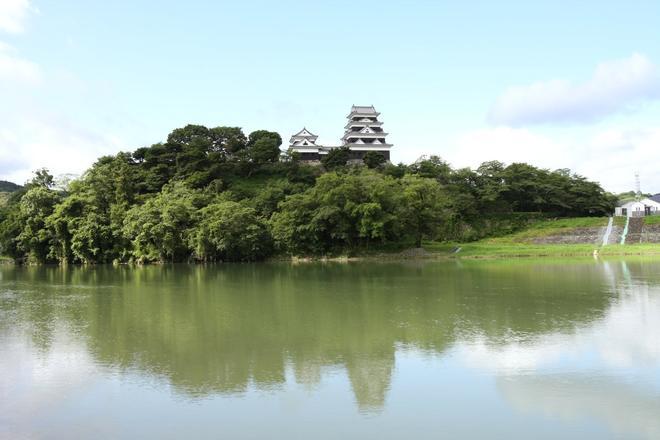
(655, 198)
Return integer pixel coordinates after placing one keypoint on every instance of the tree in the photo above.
(336, 158)
(35, 206)
(10, 228)
(213, 193)
(157, 165)
(396, 171)
(340, 213)
(42, 178)
(374, 159)
(490, 186)
(426, 207)
(228, 140)
(159, 229)
(265, 202)
(82, 233)
(434, 167)
(258, 135)
(265, 150)
(229, 231)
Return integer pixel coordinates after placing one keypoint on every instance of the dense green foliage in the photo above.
(374, 159)
(336, 158)
(6, 189)
(216, 194)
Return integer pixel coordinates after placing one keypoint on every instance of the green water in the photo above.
(494, 349)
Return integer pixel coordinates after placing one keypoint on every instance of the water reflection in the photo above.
(606, 368)
(626, 336)
(223, 330)
(628, 409)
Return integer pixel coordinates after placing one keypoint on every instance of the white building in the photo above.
(638, 208)
(363, 133)
(304, 143)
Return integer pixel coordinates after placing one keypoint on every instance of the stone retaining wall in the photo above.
(615, 236)
(650, 234)
(577, 236)
(635, 225)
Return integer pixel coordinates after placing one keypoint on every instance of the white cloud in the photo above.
(610, 157)
(615, 86)
(555, 373)
(16, 69)
(630, 411)
(614, 156)
(44, 121)
(13, 14)
(627, 336)
(39, 381)
(29, 142)
(508, 145)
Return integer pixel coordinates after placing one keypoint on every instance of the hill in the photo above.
(215, 194)
(6, 186)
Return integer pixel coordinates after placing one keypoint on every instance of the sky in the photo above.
(558, 84)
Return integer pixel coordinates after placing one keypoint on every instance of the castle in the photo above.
(363, 133)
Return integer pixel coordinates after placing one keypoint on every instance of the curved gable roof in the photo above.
(304, 133)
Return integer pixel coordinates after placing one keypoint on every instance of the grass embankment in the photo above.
(619, 221)
(652, 220)
(546, 228)
(510, 250)
(522, 243)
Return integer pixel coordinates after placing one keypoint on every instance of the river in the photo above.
(413, 349)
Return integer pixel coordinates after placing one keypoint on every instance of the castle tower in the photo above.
(304, 143)
(364, 132)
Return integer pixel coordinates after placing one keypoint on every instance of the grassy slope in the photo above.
(652, 220)
(521, 244)
(549, 227)
(620, 221)
(503, 250)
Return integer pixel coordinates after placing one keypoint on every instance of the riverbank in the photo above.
(522, 250)
(568, 237)
(476, 250)
(486, 249)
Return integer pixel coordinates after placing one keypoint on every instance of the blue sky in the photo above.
(554, 83)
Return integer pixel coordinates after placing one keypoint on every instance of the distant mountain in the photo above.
(8, 186)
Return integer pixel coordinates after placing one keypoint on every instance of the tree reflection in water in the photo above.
(223, 329)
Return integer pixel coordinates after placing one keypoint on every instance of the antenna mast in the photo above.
(638, 187)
